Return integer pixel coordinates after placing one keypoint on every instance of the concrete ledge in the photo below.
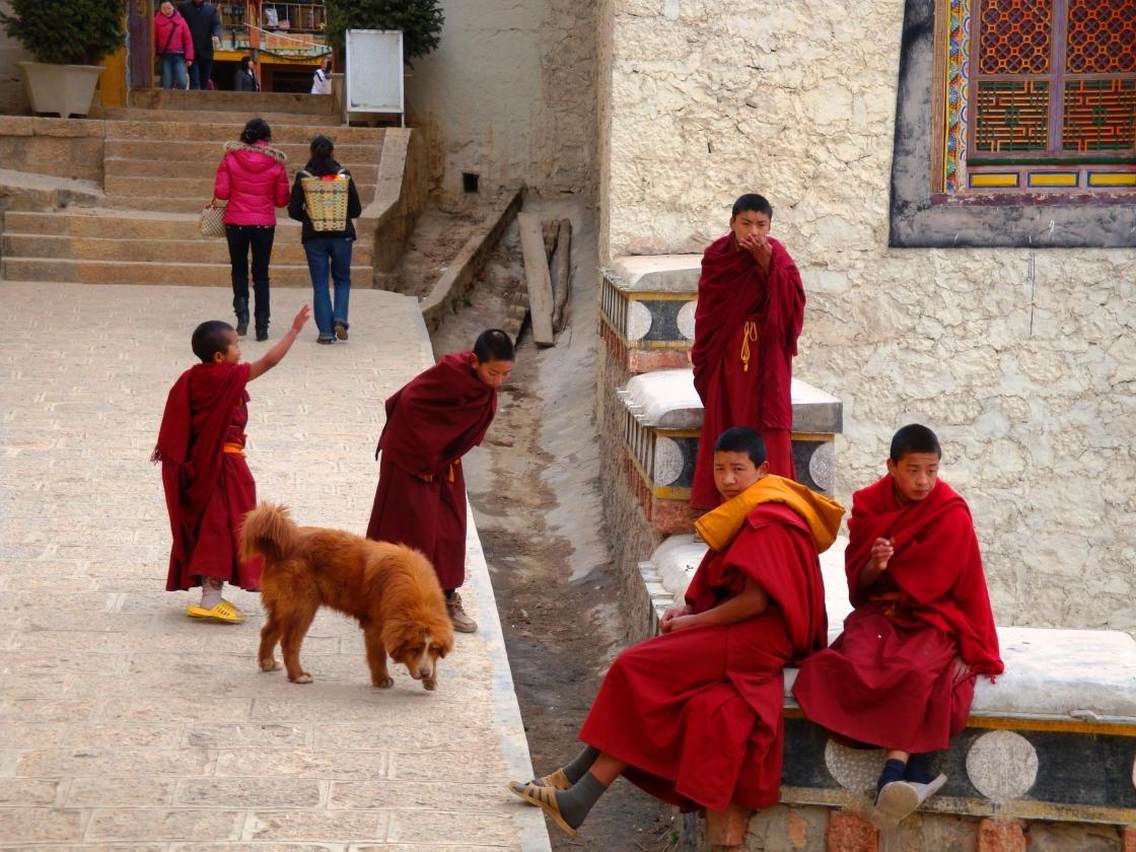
(463, 269)
(66, 148)
(34, 192)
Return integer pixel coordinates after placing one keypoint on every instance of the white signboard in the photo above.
(374, 71)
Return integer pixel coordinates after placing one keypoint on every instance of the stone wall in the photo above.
(13, 101)
(509, 95)
(1023, 361)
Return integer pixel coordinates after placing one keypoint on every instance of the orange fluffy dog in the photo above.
(391, 590)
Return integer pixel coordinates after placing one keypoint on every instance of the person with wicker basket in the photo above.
(254, 182)
(325, 200)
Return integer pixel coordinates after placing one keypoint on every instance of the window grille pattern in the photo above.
(1100, 115)
(1012, 115)
(1015, 36)
(1101, 37)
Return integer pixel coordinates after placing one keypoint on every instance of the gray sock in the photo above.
(575, 803)
(581, 763)
(211, 591)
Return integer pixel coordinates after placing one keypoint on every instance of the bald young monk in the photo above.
(751, 307)
(693, 716)
(431, 423)
(901, 675)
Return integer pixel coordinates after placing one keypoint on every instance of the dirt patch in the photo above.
(438, 237)
(534, 487)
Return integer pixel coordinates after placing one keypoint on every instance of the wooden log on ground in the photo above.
(538, 279)
(549, 231)
(561, 273)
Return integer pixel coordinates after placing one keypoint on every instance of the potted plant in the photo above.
(68, 38)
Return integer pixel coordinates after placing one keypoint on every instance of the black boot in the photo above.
(262, 331)
(241, 306)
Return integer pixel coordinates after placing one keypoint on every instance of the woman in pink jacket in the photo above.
(174, 44)
(252, 178)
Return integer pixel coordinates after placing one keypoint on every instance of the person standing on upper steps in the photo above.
(204, 23)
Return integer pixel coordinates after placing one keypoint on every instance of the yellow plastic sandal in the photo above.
(223, 612)
(557, 780)
(545, 799)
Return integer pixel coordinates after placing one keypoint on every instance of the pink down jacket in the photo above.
(172, 31)
(252, 178)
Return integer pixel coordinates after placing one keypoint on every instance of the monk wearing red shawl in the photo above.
(693, 716)
(901, 675)
(431, 423)
(751, 306)
(207, 481)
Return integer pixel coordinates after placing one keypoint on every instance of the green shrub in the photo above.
(420, 21)
(67, 32)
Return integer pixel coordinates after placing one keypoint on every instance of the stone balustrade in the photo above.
(662, 416)
(647, 310)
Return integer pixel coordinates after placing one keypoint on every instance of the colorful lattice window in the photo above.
(1041, 94)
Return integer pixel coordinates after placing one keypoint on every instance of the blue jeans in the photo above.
(173, 71)
(332, 253)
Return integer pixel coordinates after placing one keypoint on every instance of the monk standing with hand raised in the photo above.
(751, 307)
(431, 423)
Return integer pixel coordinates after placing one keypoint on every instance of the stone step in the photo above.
(217, 132)
(127, 186)
(204, 116)
(115, 224)
(143, 273)
(249, 103)
(367, 173)
(189, 248)
(210, 151)
(190, 203)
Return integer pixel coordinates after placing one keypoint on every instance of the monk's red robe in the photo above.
(745, 336)
(431, 423)
(209, 487)
(696, 714)
(889, 679)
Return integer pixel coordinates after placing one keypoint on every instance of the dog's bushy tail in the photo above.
(269, 531)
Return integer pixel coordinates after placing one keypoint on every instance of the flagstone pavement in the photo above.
(125, 725)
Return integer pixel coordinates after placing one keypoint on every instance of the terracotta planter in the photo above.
(65, 90)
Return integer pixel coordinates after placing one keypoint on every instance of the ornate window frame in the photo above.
(932, 203)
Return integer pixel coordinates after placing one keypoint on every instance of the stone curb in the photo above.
(470, 260)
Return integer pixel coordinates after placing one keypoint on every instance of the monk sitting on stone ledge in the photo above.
(901, 675)
(693, 716)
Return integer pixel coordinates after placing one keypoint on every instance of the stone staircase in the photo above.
(159, 160)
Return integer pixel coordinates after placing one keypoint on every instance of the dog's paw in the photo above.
(385, 683)
(303, 677)
(429, 684)
(269, 665)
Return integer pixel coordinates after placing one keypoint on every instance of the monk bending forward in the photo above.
(693, 716)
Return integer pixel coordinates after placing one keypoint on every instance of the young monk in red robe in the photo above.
(208, 484)
(431, 423)
(901, 675)
(751, 306)
(693, 716)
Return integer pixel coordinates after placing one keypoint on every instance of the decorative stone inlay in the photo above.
(638, 321)
(1002, 765)
(670, 461)
(855, 769)
(685, 320)
(822, 466)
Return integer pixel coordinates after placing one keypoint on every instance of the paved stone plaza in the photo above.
(122, 723)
